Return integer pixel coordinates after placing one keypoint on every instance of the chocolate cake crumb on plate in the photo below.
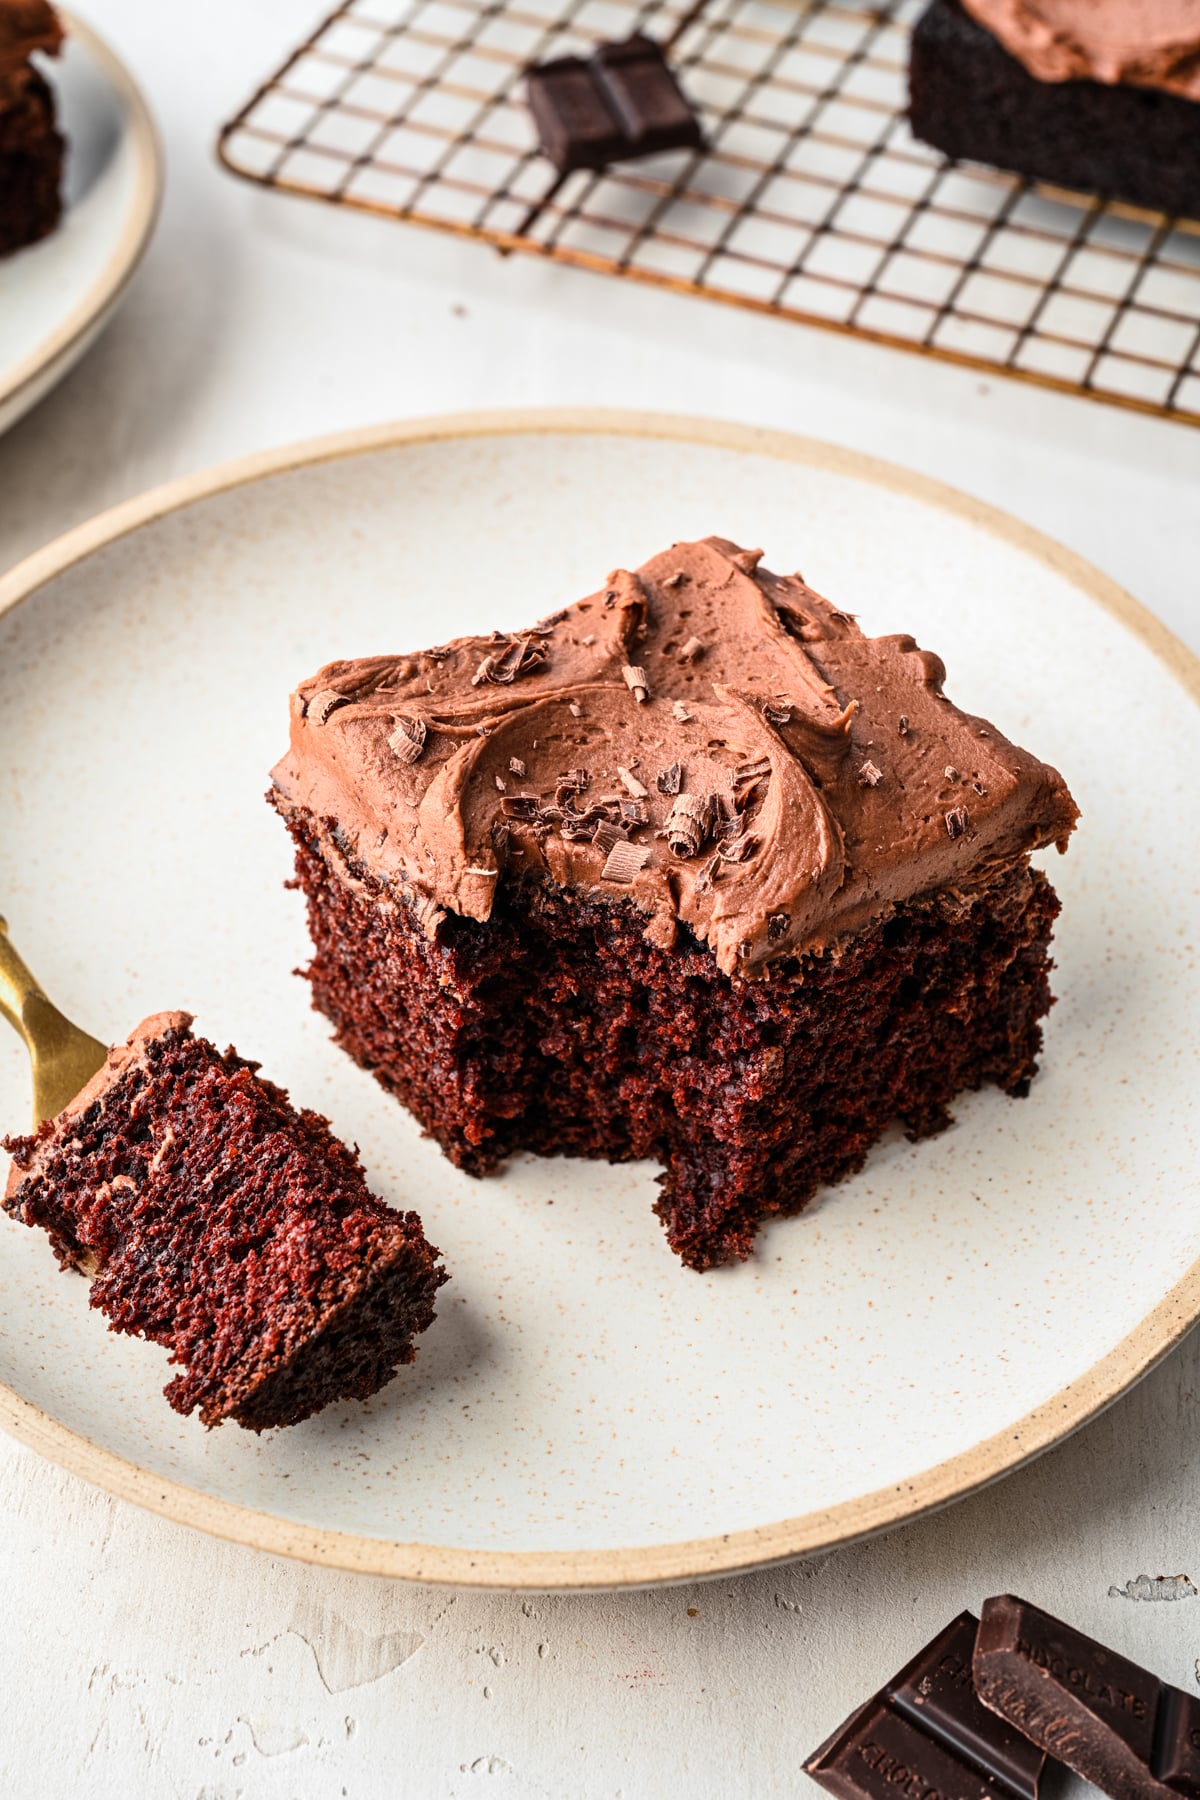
(1065, 91)
(31, 147)
(222, 1223)
(692, 870)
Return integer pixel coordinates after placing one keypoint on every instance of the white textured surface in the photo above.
(154, 1660)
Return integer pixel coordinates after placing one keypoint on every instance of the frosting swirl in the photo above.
(718, 743)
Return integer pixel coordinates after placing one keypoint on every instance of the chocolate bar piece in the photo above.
(643, 92)
(575, 123)
(1112, 1722)
(926, 1732)
(622, 101)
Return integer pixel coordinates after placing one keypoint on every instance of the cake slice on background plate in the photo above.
(693, 870)
(219, 1221)
(31, 147)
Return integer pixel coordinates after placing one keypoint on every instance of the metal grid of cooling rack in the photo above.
(812, 200)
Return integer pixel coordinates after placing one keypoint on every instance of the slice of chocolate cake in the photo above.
(222, 1223)
(692, 870)
(31, 148)
(1102, 95)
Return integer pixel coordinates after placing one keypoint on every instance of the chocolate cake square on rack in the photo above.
(693, 870)
(1103, 98)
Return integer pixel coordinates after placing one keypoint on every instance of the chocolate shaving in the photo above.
(869, 775)
(516, 766)
(952, 773)
(775, 714)
(607, 835)
(635, 681)
(740, 850)
(408, 739)
(691, 650)
(747, 775)
(575, 710)
(624, 862)
(491, 874)
(778, 926)
(688, 823)
(321, 705)
(589, 640)
(519, 658)
(635, 812)
(677, 579)
(957, 821)
(500, 835)
(902, 724)
(632, 784)
(501, 783)
(519, 806)
(979, 787)
(670, 780)
(681, 712)
(708, 875)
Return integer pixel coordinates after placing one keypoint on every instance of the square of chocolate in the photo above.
(576, 125)
(646, 97)
(622, 101)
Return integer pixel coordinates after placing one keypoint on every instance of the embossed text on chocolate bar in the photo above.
(1111, 1721)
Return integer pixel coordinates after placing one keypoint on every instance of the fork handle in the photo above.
(19, 990)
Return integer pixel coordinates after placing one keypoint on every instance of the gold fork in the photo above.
(63, 1057)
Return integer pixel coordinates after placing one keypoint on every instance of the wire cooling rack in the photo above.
(812, 201)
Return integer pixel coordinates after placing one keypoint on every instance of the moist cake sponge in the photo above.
(222, 1223)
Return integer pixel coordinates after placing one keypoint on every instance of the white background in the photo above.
(138, 1659)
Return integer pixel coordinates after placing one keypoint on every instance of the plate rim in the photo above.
(823, 1529)
(35, 374)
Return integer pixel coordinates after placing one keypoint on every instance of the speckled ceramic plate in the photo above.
(585, 1411)
(57, 294)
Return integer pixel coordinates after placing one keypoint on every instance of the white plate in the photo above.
(585, 1410)
(56, 295)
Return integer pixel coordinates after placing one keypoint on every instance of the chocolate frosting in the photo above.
(1146, 43)
(26, 26)
(720, 744)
